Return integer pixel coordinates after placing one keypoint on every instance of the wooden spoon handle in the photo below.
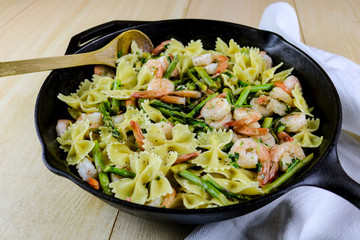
(49, 63)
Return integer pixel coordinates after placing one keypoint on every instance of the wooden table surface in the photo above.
(36, 204)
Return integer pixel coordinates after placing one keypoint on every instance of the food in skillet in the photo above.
(185, 127)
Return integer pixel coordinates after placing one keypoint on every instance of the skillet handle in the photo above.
(331, 176)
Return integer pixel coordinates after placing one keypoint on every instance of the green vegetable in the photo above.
(197, 109)
(118, 171)
(158, 103)
(226, 192)
(97, 155)
(200, 84)
(205, 185)
(104, 183)
(171, 67)
(184, 118)
(229, 96)
(263, 87)
(288, 174)
(115, 103)
(267, 122)
(104, 106)
(243, 95)
(205, 76)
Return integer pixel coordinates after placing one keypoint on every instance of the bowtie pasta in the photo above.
(186, 127)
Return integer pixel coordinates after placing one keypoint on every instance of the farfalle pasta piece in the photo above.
(193, 201)
(73, 142)
(89, 95)
(160, 186)
(133, 58)
(299, 101)
(190, 187)
(306, 138)
(248, 65)
(119, 154)
(153, 113)
(214, 158)
(126, 74)
(193, 48)
(281, 76)
(227, 50)
(268, 74)
(146, 167)
(239, 186)
(183, 140)
(132, 114)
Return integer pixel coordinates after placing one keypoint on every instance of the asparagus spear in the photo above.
(158, 103)
(226, 192)
(118, 171)
(267, 122)
(108, 122)
(263, 87)
(115, 103)
(288, 174)
(104, 183)
(172, 66)
(245, 92)
(100, 166)
(200, 84)
(197, 109)
(205, 185)
(98, 159)
(207, 79)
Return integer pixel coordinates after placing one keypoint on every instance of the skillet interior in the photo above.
(318, 90)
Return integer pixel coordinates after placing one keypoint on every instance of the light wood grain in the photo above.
(331, 25)
(36, 204)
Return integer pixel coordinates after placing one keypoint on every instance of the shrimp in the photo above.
(131, 102)
(160, 47)
(93, 183)
(282, 155)
(187, 93)
(251, 155)
(279, 94)
(294, 121)
(267, 59)
(159, 67)
(206, 60)
(173, 99)
(267, 139)
(103, 70)
(86, 169)
(187, 157)
(155, 67)
(291, 81)
(284, 137)
(95, 119)
(164, 201)
(219, 123)
(139, 136)
(158, 87)
(251, 131)
(216, 112)
(244, 116)
(271, 105)
(62, 126)
(166, 127)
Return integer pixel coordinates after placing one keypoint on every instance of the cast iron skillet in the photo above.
(324, 171)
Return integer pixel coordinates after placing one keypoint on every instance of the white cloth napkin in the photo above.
(306, 212)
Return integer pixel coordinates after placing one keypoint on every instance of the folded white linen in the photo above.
(306, 212)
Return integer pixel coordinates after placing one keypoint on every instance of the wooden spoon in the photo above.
(104, 56)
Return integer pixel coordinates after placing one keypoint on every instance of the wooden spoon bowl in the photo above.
(104, 56)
